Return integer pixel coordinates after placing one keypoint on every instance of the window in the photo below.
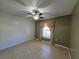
(46, 32)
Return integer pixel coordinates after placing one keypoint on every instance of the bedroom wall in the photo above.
(37, 29)
(75, 33)
(62, 30)
(15, 30)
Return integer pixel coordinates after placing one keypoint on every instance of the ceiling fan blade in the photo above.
(21, 2)
(40, 14)
(29, 13)
(41, 17)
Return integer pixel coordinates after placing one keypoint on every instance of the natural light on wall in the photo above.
(46, 32)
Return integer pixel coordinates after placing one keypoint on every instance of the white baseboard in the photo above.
(61, 46)
(13, 44)
(69, 54)
(65, 48)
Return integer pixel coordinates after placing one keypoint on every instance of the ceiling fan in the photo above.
(35, 13)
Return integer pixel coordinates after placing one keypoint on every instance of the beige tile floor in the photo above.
(34, 50)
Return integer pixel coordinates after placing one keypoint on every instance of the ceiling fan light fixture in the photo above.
(36, 17)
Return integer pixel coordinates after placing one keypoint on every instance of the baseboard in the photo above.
(69, 50)
(14, 45)
(61, 46)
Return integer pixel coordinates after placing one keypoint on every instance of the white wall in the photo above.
(15, 30)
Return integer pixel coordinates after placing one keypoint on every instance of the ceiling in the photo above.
(50, 8)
